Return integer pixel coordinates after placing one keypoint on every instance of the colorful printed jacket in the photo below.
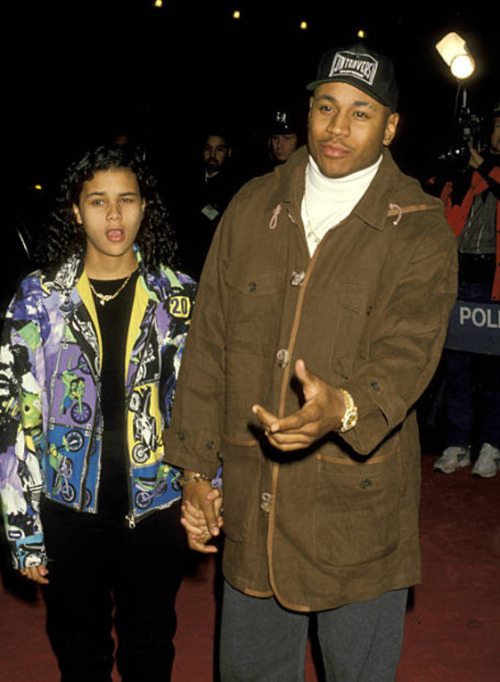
(50, 417)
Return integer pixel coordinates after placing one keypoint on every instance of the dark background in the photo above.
(78, 73)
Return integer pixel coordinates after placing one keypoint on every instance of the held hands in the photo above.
(38, 574)
(322, 412)
(201, 515)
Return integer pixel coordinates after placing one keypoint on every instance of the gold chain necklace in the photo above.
(105, 298)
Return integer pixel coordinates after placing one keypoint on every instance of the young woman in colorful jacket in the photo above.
(91, 349)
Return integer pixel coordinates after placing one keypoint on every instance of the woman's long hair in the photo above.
(64, 236)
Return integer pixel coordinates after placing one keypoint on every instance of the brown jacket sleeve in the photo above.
(193, 442)
(409, 331)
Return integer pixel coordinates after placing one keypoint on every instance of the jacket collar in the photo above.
(373, 207)
(378, 200)
(290, 181)
(155, 282)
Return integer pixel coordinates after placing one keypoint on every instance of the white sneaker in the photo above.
(453, 458)
(488, 462)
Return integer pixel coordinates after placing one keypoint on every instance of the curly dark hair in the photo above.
(64, 236)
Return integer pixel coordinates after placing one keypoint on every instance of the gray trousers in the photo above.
(263, 642)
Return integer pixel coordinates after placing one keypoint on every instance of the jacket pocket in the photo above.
(357, 508)
(352, 312)
(254, 310)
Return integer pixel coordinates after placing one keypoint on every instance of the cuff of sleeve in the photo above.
(30, 551)
(190, 450)
(377, 414)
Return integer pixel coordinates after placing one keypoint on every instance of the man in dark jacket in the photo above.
(207, 192)
(322, 312)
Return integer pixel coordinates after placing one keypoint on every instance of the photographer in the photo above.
(471, 202)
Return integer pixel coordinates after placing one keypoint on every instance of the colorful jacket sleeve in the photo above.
(179, 308)
(21, 434)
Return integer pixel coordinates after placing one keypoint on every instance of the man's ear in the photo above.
(391, 126)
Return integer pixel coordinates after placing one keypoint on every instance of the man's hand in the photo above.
(475, 158)
(321, 413)
(201, 514)
(37, 574)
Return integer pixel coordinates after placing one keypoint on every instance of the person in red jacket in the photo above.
(472, 209)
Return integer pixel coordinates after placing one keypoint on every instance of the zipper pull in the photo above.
(130, 520)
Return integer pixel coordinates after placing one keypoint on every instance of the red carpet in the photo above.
(452, 630)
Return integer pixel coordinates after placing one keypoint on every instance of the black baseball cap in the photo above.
(362, 67)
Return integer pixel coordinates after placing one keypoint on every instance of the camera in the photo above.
(468, 133)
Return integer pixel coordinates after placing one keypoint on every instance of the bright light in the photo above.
(158, 3)
(455, 53)
(303, 25)
(236, 14)
(361, 33)
(462, 66)
(38, 187)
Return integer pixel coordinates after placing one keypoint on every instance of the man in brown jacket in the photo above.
(319, 322)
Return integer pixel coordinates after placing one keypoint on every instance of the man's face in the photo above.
(495, 136)
(110, 210)
(282, 146)
(215, 153)
(347, 129)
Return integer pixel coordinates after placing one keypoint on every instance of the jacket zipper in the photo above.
(85, 469)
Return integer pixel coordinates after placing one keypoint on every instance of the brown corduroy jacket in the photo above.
(337, 523)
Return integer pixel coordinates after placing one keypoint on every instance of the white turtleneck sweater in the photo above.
(327, 201)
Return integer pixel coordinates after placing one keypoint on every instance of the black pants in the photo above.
(472, 380)
(472, 398)
(96, 564)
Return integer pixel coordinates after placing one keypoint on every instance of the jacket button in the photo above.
(266, 502)
(181, 435)
(369, 309)
(297, 278)
(252, 287)
(365, 483)
(375, 385)
(283, 357)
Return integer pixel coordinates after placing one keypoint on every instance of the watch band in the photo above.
(350, 418)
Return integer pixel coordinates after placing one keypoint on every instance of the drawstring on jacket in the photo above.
(395, 207)
(274, 220)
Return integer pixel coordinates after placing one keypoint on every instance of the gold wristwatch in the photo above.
(350, 418)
